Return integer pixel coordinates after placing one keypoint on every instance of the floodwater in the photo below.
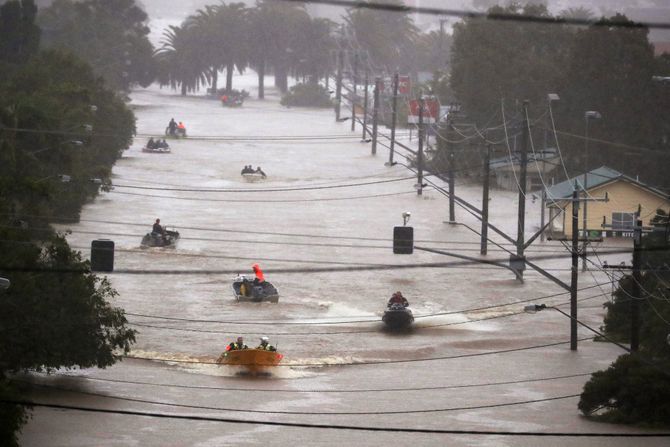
(473, 362)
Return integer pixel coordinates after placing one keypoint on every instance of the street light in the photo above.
(405, 217)
(588, 116)
(533, 308)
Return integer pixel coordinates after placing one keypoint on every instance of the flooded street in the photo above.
(320, 226)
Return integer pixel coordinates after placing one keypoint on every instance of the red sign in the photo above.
(404, 85)
(431, 110)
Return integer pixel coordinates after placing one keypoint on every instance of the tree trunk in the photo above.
(215, 80)
(281, 79)
(183, 89)
(229, 76)
(261, 80)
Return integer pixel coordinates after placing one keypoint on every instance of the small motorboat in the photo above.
(246, 289)
(157, 150)
(253, 360)
(397, 316)
(178, 133)
(156, 240)
(253, 176)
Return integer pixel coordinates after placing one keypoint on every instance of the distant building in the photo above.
(625, 195)
(506, 169)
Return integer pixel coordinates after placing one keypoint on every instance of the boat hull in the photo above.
(170, 240)
(253, 177)
(251, 291)
(398, 318)
(160, 150)
(252, 360)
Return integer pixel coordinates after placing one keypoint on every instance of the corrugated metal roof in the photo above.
(594, 179)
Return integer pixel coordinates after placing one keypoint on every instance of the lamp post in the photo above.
(588, 116)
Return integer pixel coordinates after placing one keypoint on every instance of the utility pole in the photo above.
(637, 295)
(588, 115)
(375, 115)
(543, 203)
(520, 244)
(354, 76)
(450, 168)
(419, 158)
(365, 108)
(394, 116)
(485, 201)
(575, 266)
(338, 86)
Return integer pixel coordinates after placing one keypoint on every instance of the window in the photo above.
(623, 221)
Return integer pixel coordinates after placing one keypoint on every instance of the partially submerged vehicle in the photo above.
(246, 289)
(396, 316)
(252, 360)
(169, 239)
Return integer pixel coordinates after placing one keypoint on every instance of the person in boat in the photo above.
(181, 128)
(158, 230)
(260, 171)
(151, 144)
(265, 345)
(236, 345)
(247, 169)
(172, 126)
(260, 278)
(398, 299)
(164, 144)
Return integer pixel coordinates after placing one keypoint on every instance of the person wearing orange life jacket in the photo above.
(259, 274)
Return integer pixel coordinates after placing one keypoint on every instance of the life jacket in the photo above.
(258, 272)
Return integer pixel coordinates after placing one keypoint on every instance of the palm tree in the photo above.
(273, 39)
(181, 63)
(232, 22)
(314, 48)
(387, 36)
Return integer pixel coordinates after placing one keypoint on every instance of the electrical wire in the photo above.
(31, 404)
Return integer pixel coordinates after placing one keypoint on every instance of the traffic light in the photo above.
(403, 240)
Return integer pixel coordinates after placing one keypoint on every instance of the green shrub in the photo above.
(630, 391)
(307, 95)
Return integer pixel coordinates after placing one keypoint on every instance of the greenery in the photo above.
(636, 388)
(630, 391)
(307, 95)
(60, 126)
(604, 67)
(111, 35)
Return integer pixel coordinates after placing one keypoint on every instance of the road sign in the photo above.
(431, 110)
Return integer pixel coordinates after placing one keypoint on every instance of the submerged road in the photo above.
(474, 370)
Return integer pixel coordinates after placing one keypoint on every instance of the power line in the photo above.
(304, 413)
(327, 426)
(321, 322)
(470, 14)
(369, 362)
(324, 390)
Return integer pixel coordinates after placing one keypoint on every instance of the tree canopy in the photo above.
(111, 35)
(60, 126)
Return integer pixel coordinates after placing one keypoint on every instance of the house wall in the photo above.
(623, 196)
